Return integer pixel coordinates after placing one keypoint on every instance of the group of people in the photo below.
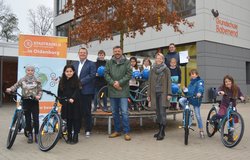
(80, 83)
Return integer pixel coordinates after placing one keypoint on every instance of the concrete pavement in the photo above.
(142, 145)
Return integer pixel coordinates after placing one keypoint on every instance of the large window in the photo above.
(185, 8)
(248, 72)
(60, 6)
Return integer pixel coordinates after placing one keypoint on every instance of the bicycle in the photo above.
(17, 123)
(231, 126)
(52, 127)
(139, 100)
(188, 117)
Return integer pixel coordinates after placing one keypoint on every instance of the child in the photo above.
(31, 87)
(176, 79)
(100, 81)
(133, 83)
(69, 87)
(227, 89)
(195, 92)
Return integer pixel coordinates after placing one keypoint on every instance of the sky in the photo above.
(21, 7)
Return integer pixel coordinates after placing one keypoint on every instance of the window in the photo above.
(248, 72)
(60, 6)
(185, 8)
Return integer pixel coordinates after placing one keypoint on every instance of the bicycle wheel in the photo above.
(210, 124)
(143, 98)
(232, 130)
(50, 132)
(103, 93)
(14, 129)
(186, 128)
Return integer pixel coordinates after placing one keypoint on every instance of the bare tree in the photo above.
(41, 20)
(8, 23)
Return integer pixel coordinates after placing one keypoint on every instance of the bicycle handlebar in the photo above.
(52, 94)
(18, 94)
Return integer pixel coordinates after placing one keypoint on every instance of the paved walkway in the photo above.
(142, 146)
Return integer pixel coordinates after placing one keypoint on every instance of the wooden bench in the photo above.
(132, 114)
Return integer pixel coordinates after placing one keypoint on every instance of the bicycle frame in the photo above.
(188, 109)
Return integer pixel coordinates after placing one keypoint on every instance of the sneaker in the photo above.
(127, 137)
(115, 134)
(87, 134)
(202, 136)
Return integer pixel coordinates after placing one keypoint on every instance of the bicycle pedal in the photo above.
(191, 128)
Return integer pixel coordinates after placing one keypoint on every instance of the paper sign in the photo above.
(184, 58)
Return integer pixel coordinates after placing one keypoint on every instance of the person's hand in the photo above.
(221, 93)
(169, 97)
(117, 85)
(8, 90)
(242, 98)
(148, 98)
(96, 75)
(37, 98)
(198, 95)
(179, 84)
(71, 100)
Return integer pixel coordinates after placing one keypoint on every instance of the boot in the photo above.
(75, 138)
(36, 138)
(30, 138)
(161, 135)
(156, 135)
(69, 138)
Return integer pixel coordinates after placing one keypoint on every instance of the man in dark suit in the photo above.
(86, 72)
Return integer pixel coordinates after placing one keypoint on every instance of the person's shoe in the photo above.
(161, 134)
(230, 137)
(127, 137)
(115, 134)
(75, 139)
(69, 139)
(87, 134)
(30, 138)
(156, 135)
(202, 136)
(36, 138)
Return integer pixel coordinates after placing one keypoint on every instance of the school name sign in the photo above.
(226, 27)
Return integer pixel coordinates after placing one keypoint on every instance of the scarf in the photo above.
(159, 68)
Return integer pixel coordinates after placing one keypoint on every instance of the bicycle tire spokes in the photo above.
(49, 132)
(211, 125)
(13, 130)
(232, 130)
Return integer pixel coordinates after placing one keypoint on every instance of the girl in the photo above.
(195, 88)
(133, 83)
(176, 78)
(159, 87)
(228, 89)
(146, 64)
(31, 87)
(69, 87)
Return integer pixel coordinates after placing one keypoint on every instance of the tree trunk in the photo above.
(121, 40)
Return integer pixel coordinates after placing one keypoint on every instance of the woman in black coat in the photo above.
(69, 87)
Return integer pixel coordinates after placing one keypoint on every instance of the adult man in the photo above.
(172, 54)
(117, 74)
(86, 71)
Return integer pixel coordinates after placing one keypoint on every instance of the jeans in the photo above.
(97, 89)
(120, 105)
(183, 102)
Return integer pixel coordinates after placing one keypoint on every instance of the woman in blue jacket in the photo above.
(195, 91)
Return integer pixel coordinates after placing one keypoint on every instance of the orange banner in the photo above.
(45, 107)
(42, 46)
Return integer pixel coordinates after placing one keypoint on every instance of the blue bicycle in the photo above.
(52, 127)
(231, 126)
(188, 117)
(18, 122)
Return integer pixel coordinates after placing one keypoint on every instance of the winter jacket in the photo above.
(196, 86)
(120, 72)
(100, 81)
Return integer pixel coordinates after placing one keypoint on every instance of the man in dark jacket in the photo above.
(86, 71)
(172, 54)
(100, 80)
(118, 73)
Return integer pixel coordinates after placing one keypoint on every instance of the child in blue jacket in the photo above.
(195, 92)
